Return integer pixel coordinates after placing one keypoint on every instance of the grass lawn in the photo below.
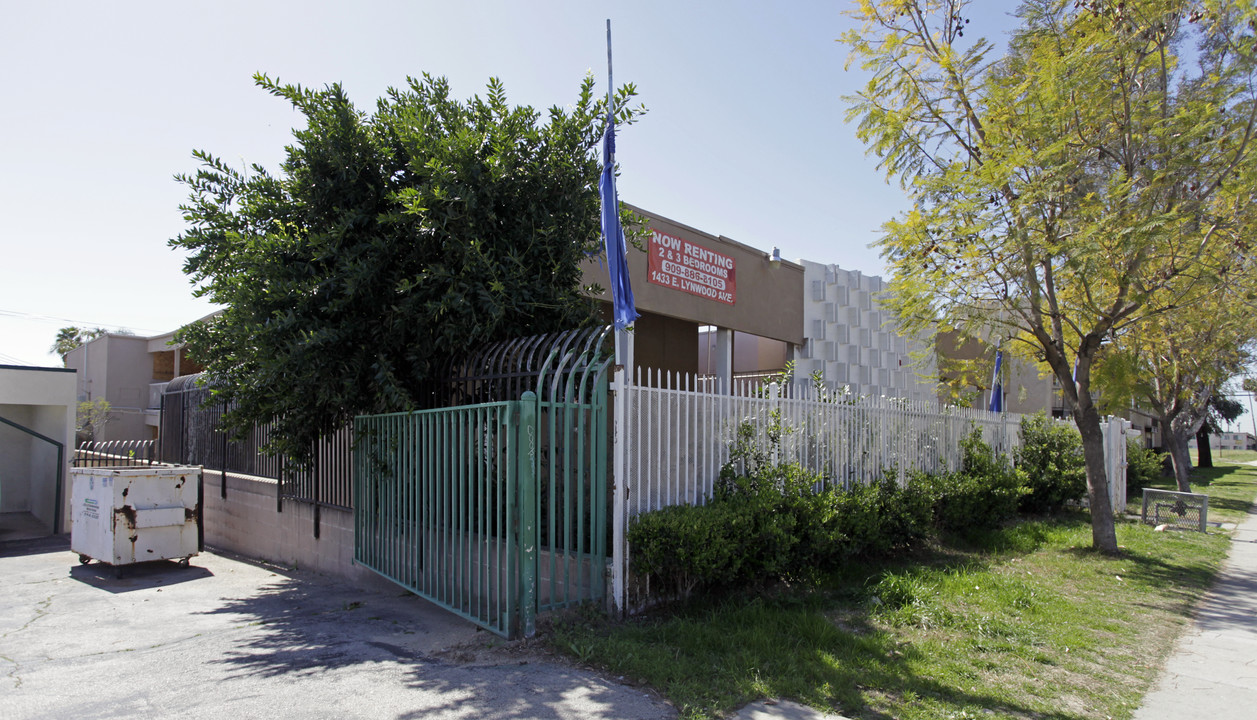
(1229, 456)
(1026, 622)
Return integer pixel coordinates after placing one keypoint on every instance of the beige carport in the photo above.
(37, 412)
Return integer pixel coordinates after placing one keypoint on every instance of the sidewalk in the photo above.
(1213, 671)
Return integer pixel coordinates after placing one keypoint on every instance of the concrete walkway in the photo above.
(227, 638)
(232, 638)
(1213, 671)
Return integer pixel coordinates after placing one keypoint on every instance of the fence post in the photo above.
(619, 471)
(222, 486)
(526, 486)
(774, 396)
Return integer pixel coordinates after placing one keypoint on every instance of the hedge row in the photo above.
(778, 522)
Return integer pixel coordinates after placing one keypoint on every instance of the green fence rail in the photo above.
(573, 488)
(494, 511)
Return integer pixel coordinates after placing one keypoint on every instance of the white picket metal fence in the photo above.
(674, 433)
(679, 435)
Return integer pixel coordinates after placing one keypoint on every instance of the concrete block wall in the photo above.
(852, 341)
(247, 523)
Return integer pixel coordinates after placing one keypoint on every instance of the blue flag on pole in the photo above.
(625, 312)
(997, 385)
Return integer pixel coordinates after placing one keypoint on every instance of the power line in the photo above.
(11, 360)
(33, 317)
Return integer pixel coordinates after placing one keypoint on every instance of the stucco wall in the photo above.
(42, 400)
(15, 459)
(246, 522)
(666, 343)
(119, 369)
(768, 300)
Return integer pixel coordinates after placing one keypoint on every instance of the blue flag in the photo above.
(624, 310)
(997, 385)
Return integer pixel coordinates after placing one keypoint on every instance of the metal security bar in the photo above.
(115, 453)
(190, 435)
(573, 475)
(439, 507)
(494, 511)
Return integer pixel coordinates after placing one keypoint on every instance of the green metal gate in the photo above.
(494, 511)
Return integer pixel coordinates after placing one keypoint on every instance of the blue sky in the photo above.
(105, 102)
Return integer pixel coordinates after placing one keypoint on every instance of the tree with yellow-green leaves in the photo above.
(1092, 179)
(1175, 365)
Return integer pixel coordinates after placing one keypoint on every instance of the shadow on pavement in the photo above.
(140, 576)
(305, 627)
(34, 546)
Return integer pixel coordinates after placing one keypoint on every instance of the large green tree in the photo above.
(388, 243)
(1070, 189)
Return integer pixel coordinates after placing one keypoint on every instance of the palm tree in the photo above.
(71, 337)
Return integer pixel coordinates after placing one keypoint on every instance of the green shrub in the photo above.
(1144, 466)
(777, 523)
(985, 493)
(1051, 462)
(783, 516)
(884, 516)
(684, 547)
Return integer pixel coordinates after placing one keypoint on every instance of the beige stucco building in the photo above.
(130, 372)
(687, 281)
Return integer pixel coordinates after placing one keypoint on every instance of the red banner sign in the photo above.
(684, 266)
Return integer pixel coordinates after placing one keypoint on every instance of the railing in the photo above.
(190, 435)
(680, 436)
(116, 453)
(155, 391)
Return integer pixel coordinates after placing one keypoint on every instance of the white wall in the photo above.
(42, 400)
(15, 459)
(853, 341)
(119, 369)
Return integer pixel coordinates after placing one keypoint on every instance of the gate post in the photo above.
(526, 486)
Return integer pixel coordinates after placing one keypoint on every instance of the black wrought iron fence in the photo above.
(191, 433)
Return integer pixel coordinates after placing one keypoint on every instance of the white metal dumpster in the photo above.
(125, 515)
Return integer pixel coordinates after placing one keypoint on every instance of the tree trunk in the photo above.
(1103, 534)
(1204, 453)
(1176, 443)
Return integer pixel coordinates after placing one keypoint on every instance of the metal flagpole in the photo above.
(623, 368)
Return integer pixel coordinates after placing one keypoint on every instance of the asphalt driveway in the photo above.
(226, 638)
